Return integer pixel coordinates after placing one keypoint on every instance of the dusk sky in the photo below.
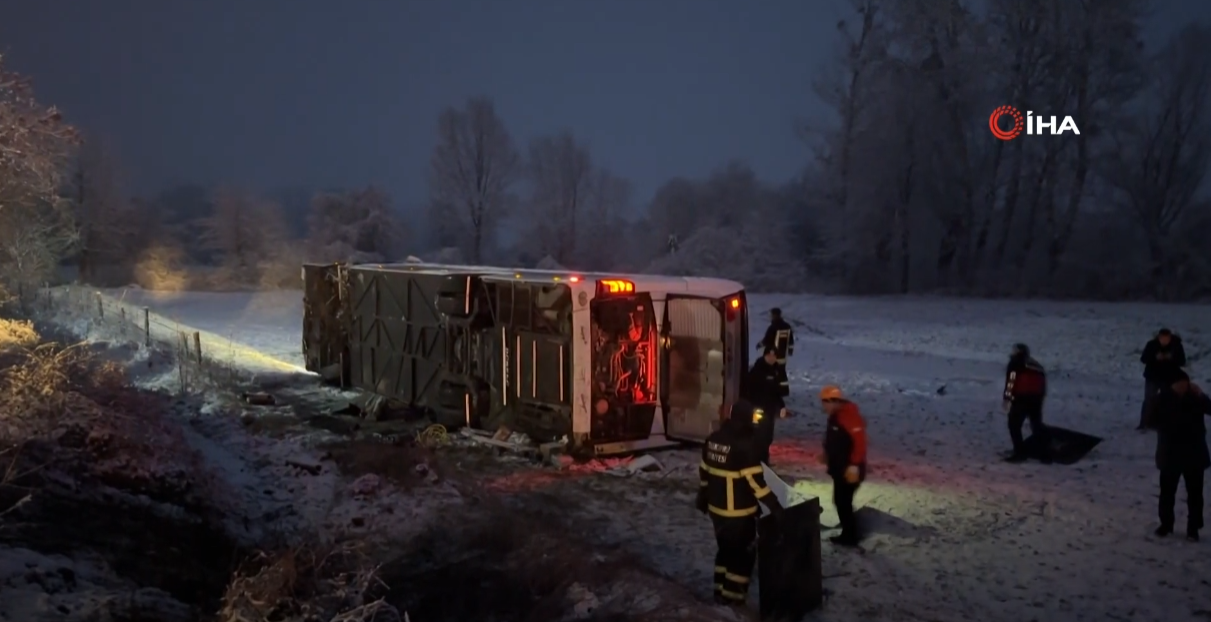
(319, 93)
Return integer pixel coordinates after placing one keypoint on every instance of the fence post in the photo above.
(147, 328)
(50, 301)
(100, 306)
(197, 345)
(122, 322)
(181, 358)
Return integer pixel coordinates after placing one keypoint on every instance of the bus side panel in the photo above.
(397, 346)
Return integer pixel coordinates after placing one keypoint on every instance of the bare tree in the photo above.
(473, 169)
(846, 88)
(561, 178)
(1103, 74)
(604, 228)
(108, 223)
(1161, 162)
(35, 145)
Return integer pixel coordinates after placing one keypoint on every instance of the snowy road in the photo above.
(958, 534)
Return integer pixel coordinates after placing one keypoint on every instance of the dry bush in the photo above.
(324, 584)
(162, 268)
(17, 334)
(49, 382)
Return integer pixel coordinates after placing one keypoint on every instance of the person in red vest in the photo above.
(1025, 390)
(845, 456)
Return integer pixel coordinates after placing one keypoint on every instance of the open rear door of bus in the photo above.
(701, 360)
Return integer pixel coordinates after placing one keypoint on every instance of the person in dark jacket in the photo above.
(1163, 356)
(845, 456)
(764, 392)
(1025, 390)
(781, 338)
(731, 484)
(1181, 450)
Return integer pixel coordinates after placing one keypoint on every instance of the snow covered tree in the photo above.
(246, 232)
(472, 172)
(739, 231)
(36, 228)
(358, 226)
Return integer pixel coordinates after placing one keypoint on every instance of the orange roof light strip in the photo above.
(615, 286)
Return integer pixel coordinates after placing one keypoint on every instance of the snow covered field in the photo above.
(956, 533)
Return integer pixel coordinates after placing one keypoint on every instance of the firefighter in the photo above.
(1181, 450)
(845, 456)
(731, 484)
(781, 338)
(765, 392)
(1163, 356)
(1025, 390)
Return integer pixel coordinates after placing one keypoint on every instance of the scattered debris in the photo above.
(370, 406)
(433, 436)
(502, 434)
(259, 399)
(584, 601)
(644, 463)
(625, 467)
(366, 485)
(312, 468)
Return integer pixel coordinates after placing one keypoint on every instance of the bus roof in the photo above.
(698, 285)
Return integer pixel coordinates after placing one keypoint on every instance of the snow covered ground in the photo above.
(956, 533)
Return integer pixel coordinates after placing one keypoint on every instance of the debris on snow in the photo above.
(259, 399)
(366, 485)
(308, 466)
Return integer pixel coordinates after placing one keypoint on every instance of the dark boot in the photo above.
(1016, 458)
(1192, 535)
(1163, 531)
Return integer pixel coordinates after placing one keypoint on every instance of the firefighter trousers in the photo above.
(737, 554)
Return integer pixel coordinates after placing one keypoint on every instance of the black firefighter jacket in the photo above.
(765, 392)
(1160, 370)
(765, 387)
(730, 474)
(1181, 431)
(781, 337)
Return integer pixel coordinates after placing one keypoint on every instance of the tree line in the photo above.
(907, 189)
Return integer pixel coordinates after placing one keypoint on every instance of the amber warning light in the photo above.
(615, 286)
(733, 309)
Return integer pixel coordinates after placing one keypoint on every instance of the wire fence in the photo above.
(201, 358)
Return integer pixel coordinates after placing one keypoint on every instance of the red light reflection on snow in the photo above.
(796, 456)
(528, 480)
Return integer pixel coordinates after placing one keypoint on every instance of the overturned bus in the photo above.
(614, 363)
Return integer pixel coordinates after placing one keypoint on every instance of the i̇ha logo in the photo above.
(1030, 124)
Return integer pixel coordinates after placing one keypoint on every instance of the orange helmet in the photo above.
(831, 392)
